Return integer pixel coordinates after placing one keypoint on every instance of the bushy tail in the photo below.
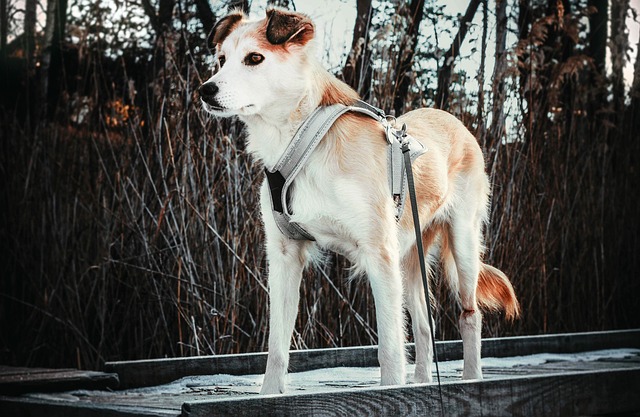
(495, 292)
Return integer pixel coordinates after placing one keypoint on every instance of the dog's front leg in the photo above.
(286, 260)
(286, 263)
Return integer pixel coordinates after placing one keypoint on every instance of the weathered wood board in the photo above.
(560, 394)
(160, 371)
(14, 380)
(553, 375)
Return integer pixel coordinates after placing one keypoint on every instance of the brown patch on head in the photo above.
(285, 27)
(226, 25)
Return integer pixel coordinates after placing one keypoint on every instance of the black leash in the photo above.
(423, 269)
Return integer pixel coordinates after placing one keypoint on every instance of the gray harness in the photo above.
(307, 138)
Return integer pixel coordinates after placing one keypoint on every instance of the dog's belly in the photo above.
(333, 236)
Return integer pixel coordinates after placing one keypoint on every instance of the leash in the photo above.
(401, 135)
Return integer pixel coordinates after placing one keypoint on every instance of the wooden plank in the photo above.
(560, 343)
(160, 371)
(21, 380)
(561, 394)
(24, 406)
(17, 370)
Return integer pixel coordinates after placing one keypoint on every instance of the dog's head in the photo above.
(260, 64)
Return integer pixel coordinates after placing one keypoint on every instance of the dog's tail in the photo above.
(495, 292)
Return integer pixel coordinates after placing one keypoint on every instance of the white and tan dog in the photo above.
(268, 76)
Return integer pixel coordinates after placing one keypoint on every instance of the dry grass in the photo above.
(136, 233)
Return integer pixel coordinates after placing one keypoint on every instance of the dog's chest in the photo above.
(320, 203)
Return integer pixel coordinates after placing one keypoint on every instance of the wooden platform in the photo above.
(552, 375)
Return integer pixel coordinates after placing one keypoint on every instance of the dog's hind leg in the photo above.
(464, 242)
(415, 302)
(416, 305)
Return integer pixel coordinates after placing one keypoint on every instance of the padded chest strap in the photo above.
(307, 138)
(294, 158)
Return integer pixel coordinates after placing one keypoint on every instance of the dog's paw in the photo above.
(272, 387)
(422, 377)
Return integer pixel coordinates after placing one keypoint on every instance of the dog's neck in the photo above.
(270, 132)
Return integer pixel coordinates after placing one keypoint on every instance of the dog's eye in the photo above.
(253, 58)
(221, 61)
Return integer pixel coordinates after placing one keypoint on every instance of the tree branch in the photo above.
(357, 69)
(407, 49)
(206, 16)
(151, 12)
(444, 74)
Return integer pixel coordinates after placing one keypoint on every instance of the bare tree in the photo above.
(357, 70)
(635, 86)
(497, 119)
(598, 33)
(206, 16)
(406, 53)
(160, 19)
(444, 73)
(483, 57)
(4, 22)
(53, 52)
(30, 30)
(619, 44)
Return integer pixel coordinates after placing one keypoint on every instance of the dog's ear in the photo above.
(225, 26)
(285, 27)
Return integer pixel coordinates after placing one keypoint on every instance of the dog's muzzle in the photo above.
(208, 93)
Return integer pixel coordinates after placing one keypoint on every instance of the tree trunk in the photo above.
(635, 86)
(483, 56)
(45, 60)
(444, 73)
(55, 71)
(357, 70)
(405, 56)
(598, 33)
(165, 13)
(525, 18)
(30, 31)
(207, 18)
(4, 22)
(497, 118)
(29, 46)
(619, 43)
(160, 20)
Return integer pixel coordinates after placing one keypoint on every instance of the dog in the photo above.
(267, 75)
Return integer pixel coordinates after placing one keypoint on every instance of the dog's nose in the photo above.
(208, 90)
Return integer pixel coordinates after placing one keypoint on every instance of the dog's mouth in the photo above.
(212, 108)
(217, 109)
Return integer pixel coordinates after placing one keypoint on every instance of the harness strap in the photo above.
(307, 138)
(293, 160)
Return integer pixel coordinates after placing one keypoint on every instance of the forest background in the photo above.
(129, 223)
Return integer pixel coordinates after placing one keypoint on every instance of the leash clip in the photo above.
(401, 133)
